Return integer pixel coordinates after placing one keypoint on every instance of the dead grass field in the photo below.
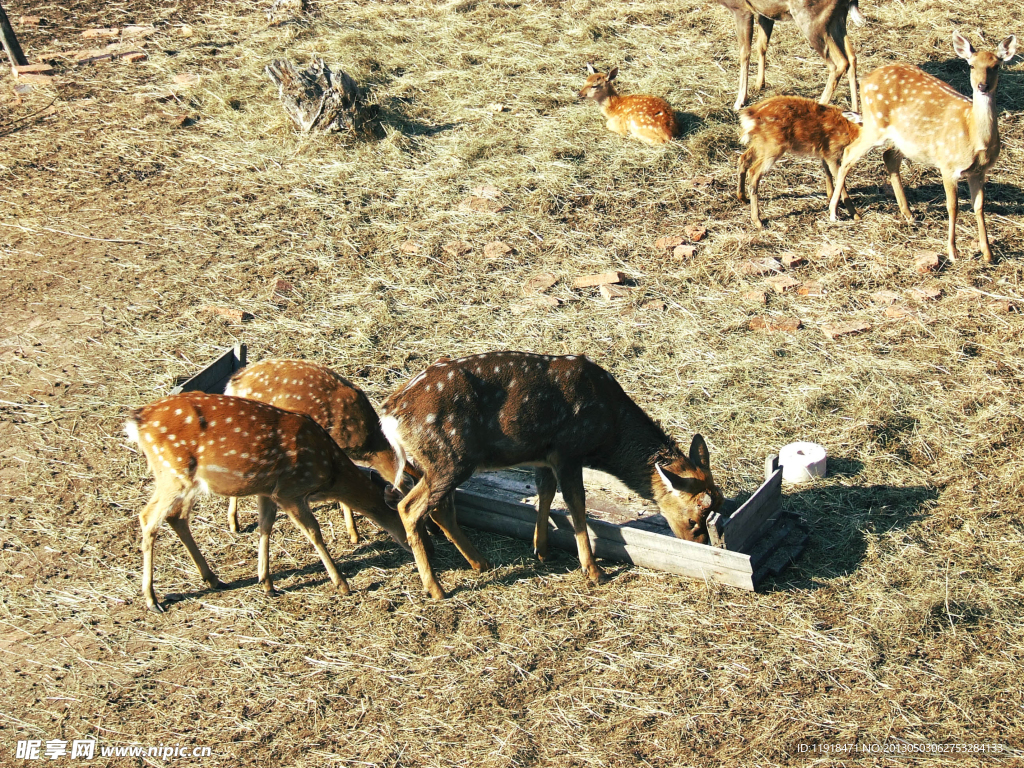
(902, 620)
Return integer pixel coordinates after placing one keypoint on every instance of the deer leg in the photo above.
(977, 187)
(303, 518)
(444, 516)
(851, 55)
(350, 524)
(179, 523)
(233, 514)
(267, 515)
(744, 35)
(892, 159)
(162, 502)
(741, 181)
(831, 168)
(951, 208)
(765, 25)
(570, 480)
(412, 509)
(546, 487)
(758, 168)
(860, 147)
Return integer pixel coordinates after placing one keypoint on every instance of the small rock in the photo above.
(830, 252)
(885, 297)
(234, 315)
(792, 260)
(589, 281)
(782, 283)
(497, 249)
(758, 297)
(668, 242)
(810, 288)
(834, 331)
(457, 248)
(655, 305)
(775, 324)
(186, 31)
(31, 69)
(487, 191)
(539, 283)
(763, 267)
(695, 232)
(410, 247)
(614, 291)
(926, 293)
(498, 107)
(100, 33)
(684, 252)
(1003, 306)
(898, 312)
(186, 79)
(283, 289)
(135, 57)
(135, 31)
(481, 205)
(927, 261)
(30, 21)
(23, 89)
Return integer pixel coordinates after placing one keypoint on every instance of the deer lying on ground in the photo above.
(647, 118)
(200, 443)
(331, 401)
(560, 414)
(796, 125)
(929, 122)
(823, 23)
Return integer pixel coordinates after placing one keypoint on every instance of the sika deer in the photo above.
(647, 118)
(196, 442)
(331, 401)
(559, 414)
(823, 23)
(799, 126)
(929, 122)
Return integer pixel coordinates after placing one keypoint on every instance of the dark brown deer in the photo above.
(201, 443)
(560, 414)
(799, 126)
(647, 118)
(823, 23)
(332, 401)
(931, 123)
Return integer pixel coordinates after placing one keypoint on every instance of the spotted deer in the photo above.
(799, 126)
(559, 414)
(929, 122)
(201, 443)
(647, 118)
(332, 401)
(822, 22)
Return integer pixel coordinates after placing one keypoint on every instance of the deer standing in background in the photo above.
(823, 23)
(331, 401)
(929, 122)
(647, 118)
(799, 126)
(200, 443)
(559, 414)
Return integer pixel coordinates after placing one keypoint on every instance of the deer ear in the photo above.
(666, 478)
(613, 73)
(962, 46)
(1008, 48)
(590, 69)
(854, 117)
(699, 455)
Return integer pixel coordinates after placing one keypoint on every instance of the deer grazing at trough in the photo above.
(559, 414)
(195, 442)
(331, 401)
(647, 118)
(823, 23)
(799, 126)
(929, 122)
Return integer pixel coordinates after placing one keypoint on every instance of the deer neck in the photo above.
(640, 444)
(984, 129)
(608, 102)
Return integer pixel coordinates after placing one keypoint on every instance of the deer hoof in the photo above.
(215, 583)
(156, 608)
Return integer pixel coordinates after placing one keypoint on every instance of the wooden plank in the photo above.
(214, 377)
(741, 528)
(10, 42)
(563, 538)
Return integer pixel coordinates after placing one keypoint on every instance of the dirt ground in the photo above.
(122, 219)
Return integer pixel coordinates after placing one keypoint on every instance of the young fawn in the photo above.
(823, 23)
(559, 414)
(930, 123)
(796, 125)
(647, 118)
(195, 442)
(331, 401)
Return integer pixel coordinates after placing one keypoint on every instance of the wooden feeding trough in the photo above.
(749, 541)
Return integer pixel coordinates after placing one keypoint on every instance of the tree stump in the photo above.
(317, 99)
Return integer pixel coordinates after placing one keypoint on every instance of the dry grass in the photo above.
(902, 620)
